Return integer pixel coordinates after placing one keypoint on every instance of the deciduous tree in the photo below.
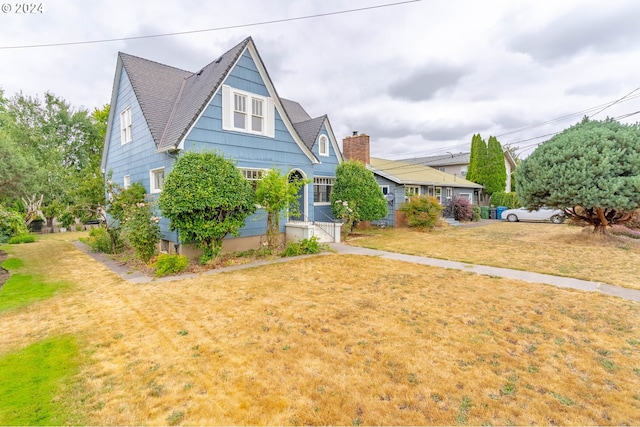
(356, 185)
(277, 193)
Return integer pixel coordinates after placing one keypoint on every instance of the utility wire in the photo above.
(230, 27)
(614, 103)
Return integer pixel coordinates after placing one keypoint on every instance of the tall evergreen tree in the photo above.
(494, 170)
(477, 160)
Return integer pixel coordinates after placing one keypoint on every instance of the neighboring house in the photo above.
(458, 164)
(400, 179)
(231, 107)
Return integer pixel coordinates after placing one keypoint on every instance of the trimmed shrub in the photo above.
(477, 213)
(459, 208)
(422, 211)
(100, 241)
(22, 238)
(303, 247)
(170, 264)
(141, 231)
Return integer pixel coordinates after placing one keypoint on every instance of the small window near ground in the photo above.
(157, 180)
(127, 181)
(449, 192)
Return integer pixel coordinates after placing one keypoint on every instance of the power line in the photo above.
(614, 103)
(230, 27)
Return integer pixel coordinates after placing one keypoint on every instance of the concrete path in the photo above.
(341, 248)
(561, 282)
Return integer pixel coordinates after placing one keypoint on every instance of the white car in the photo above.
(556, 216)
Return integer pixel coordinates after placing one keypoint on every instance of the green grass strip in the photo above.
(22, 289)
(32, 379)
(12, 263)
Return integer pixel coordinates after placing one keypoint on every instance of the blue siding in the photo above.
(138, 157)
(398, 193)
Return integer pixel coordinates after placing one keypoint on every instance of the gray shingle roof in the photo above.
(295, 111)
(172, 99)
(305, 126)
(156, 87)
(441, 160)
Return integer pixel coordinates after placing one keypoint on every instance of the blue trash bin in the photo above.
(499, 211)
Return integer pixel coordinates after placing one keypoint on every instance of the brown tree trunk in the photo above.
(602, 227)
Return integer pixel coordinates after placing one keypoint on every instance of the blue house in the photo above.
(231, 107)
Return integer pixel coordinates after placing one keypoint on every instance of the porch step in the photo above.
(452, 221)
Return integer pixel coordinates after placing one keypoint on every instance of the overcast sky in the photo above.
(419, 77)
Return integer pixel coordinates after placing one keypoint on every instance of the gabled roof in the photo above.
(172, 99)
(307, 128)
(442, 160)
(402, 172)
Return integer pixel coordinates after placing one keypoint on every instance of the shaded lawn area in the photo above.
(334, 339)
(560, 250)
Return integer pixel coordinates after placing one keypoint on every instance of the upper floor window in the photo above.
(385, 189)
(125, 126)
(157, 180)
(323, 146)
(322, 187)
(247, 112)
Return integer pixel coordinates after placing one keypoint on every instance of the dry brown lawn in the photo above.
(335, 339)
(560, 250)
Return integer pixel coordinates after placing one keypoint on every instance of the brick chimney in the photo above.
(356, 147)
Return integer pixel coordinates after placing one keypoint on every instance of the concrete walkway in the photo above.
(341, 248)
(526, 276)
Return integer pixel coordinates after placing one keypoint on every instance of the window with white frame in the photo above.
(449, 192)
(438, 193)
(385, 189)
(253, 176)
(322, 187)
(411, 190)
(463, 171)
(127, 181)
(247, 112)
(323, 146)
(125, 126)
(256, 115)
(239, 111)
(157, 180)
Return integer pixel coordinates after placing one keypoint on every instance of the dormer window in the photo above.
(323, 146)
(247, 112)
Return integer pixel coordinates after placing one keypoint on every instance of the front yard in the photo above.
(560, 250)
(337, 339)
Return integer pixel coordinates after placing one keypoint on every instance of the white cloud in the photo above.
(420, 78)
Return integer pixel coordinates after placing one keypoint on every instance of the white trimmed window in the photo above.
(127, 181)
(157, 179)
(247, 112)
(125, 126)
(323, 146)
(463, 171)
(385, 189)
(322, 187)
(438, 193)
(253, 175)
(411, 190)
(449, 192)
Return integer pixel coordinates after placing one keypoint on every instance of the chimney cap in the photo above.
(355, 133)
